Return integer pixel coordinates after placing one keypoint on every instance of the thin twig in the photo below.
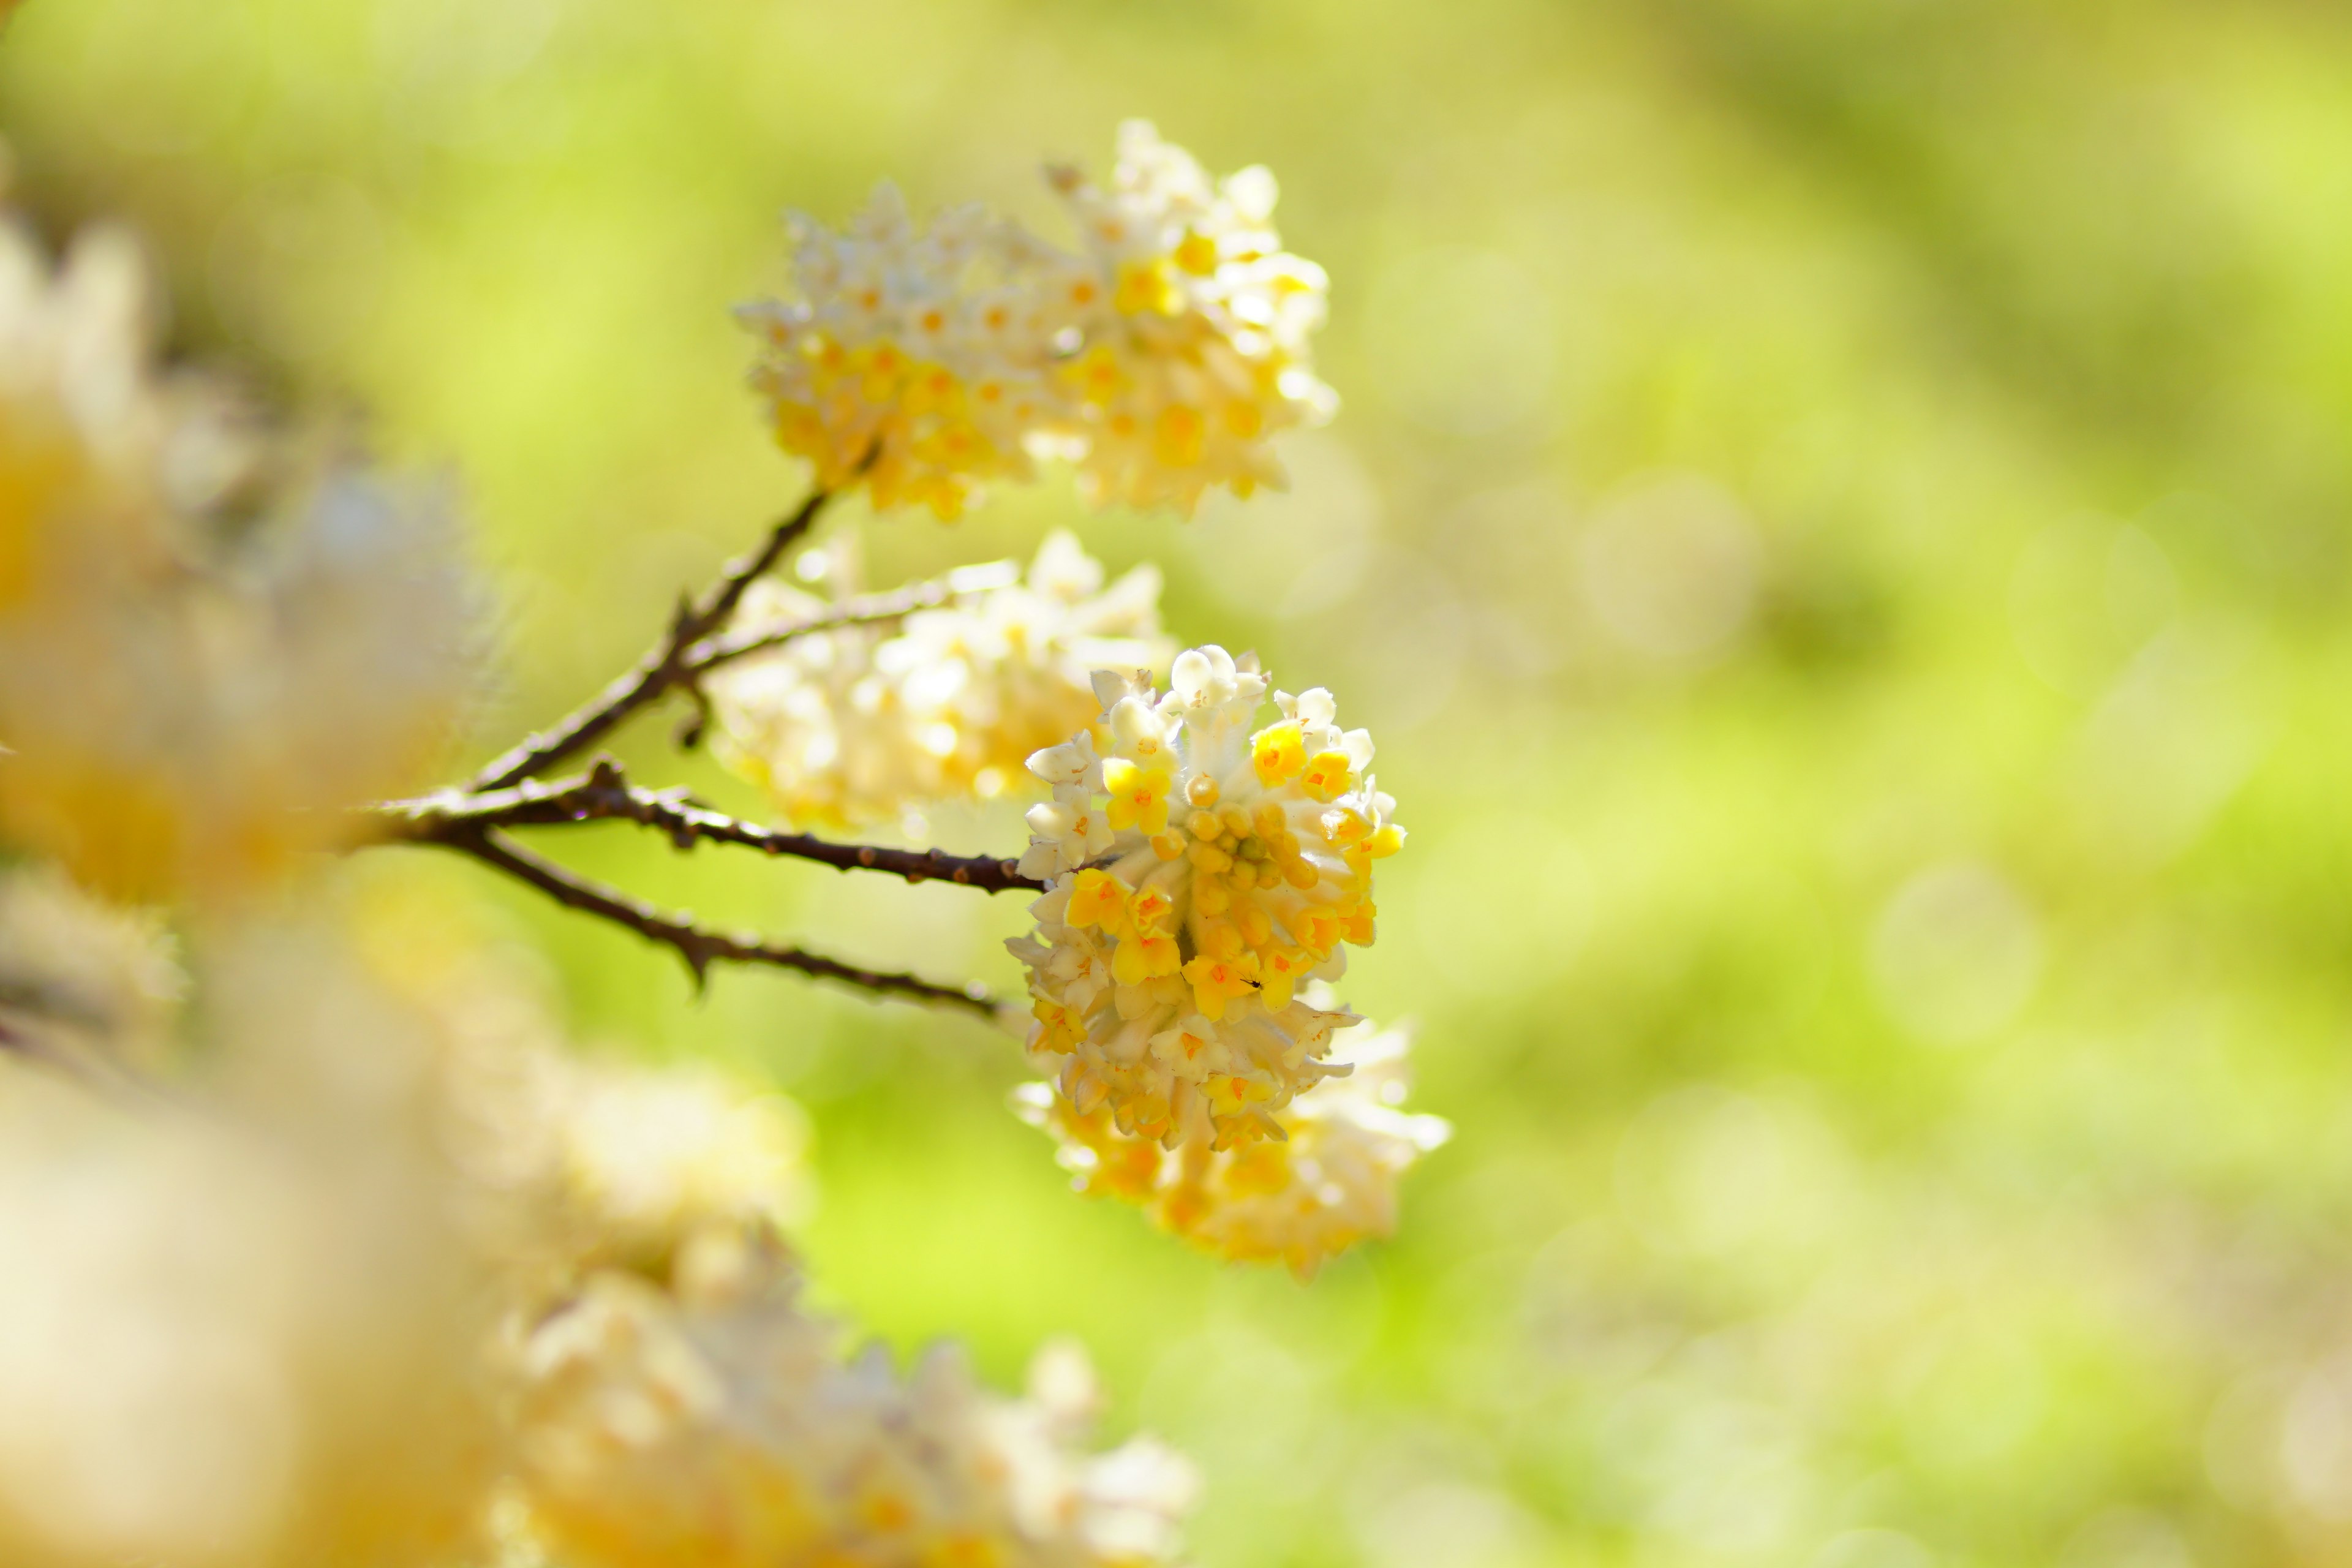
(604, 793)
(697, 947)
(667, 666)
(866, 610)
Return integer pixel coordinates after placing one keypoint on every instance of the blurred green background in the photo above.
(1839, 527)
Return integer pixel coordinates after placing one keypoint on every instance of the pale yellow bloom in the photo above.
(721, 1424)
(247, 1321)
(267, 1295)
(859, 726)
(1160, 357)
(210, 647)
(1328, 1183)
(1200, 874)
(906, 357)
(1193, 349)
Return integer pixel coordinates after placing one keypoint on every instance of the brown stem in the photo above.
(604, 793)
(867, 609)
(666, 666)
(699, 947)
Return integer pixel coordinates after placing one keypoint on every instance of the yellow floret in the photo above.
(1098, 898)
(1139, 796)
(1277, 751)
(1218, 980)
(1327, 777)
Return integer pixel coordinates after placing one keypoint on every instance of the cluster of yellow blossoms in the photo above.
(428, 1277)
(1199, 875)
(859, 725)
(1159, 357)
(1327, 1183)
(211, 641)
(716, 1424)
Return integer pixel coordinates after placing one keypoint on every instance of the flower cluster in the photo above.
(716, 1423)
(859, 724)
(1160, 356)
(352, 1260)
(1200, 874)
(400, 1269)
(249, 1299)
(1328, 1183)
(210, 643)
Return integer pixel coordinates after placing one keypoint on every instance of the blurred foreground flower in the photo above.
(1197, 877)
(862, 724)
(248, 1318)
(210, 645)
(1327, 1183)
(718, 1424)
(1161, 358)
(383, 1247)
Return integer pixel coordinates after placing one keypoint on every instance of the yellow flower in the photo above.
(1328, 1182)
(212, 644)
(1212, 923)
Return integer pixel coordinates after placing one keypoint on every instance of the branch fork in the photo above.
(476, 819)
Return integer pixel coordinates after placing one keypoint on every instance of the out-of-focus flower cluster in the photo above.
(1198, 876)
(861, 724)
(212, 639)
(1327, 1183)
(1159, 357)
(371, 1262)
(716, 1424)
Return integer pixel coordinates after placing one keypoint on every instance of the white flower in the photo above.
(859, 725)
(1196, 336)
(648, 1157)
(1330, 1183)
(906, 354)
(212, 642)
(1220, 866)
(721, 1426)
(1161, 358)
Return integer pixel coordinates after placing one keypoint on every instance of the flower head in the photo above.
(862, 724)
(1160, 356)
(906, 354)
(1194, 339)
(202, 662)
(1329, 1183)
(1199, 873)
(719, 1425)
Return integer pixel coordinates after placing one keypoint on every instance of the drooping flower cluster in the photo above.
(1200, 875)
(1160, 357)
(716, 1424)
(210, 644)
(859, 724)
(1328, 1183)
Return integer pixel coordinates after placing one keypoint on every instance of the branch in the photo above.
(867, 609)
(699, 948)
(666, 666)
(605, 793)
